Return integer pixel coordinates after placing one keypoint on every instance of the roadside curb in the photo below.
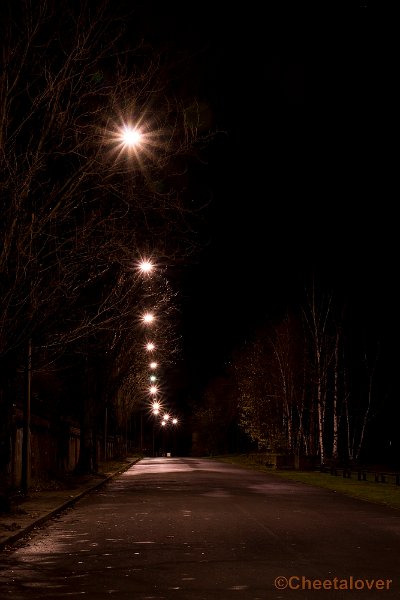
(12, 539)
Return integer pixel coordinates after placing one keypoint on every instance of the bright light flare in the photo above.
(136, 140)
(155, 408)
(153, 365)
(150, 347)
(148, 318)
(153, 389)
(131, 137)
(145, 266)
(130, 140)
(175, 421)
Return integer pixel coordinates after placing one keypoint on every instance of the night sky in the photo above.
(250, 70)
(300, 176)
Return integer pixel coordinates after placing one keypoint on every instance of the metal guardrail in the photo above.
(364, 474)
(280, 461)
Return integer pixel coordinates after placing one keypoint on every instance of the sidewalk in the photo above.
(45, 502)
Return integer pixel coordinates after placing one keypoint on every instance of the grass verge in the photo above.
(379, 493)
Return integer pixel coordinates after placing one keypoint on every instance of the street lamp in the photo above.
(166, 437)
(156, 406)
(145, 266)
(129, 140)
(131, 137)
(150, 346)
(148, 318)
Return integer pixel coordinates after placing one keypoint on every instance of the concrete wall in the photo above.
(54, 449)
(50, 453)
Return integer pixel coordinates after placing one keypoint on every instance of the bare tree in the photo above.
(79, 205)
(358, 410)
(317, 316)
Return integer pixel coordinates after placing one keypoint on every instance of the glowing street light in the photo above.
(175, 421)
(131, 137)
(156, 406)
(153, 365)
(148, 317)
(150, 346)
(153, 390)
(145, 266)
(134, 139)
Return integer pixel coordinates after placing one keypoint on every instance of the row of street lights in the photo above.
(163, 417)
(135, 141)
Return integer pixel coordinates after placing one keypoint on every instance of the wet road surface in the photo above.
(194, 529)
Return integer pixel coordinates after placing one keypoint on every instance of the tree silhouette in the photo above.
(79, 205)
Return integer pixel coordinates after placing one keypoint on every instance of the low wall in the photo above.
(54, 449)
(50, 451)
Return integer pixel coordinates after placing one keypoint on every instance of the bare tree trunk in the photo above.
(317, 317)
(335, 432)
(321, 424)
(349, 436)
(26, 440)
(365, 417)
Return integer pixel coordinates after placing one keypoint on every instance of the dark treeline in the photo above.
(314, 383)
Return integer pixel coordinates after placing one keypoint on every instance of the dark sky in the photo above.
(252, 76)
(300, 177)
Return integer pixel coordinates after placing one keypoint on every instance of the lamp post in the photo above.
(26, 438)
(145, 266)
(156, 410)
(174, 423)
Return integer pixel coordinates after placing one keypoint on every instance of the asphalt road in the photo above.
(191, 529)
